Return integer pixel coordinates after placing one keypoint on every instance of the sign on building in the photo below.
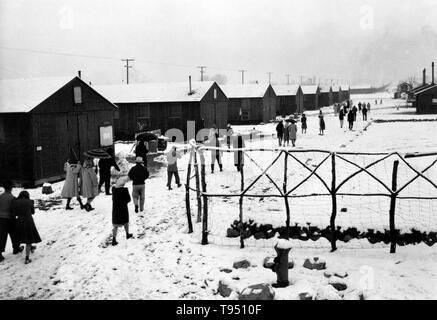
(106, 136)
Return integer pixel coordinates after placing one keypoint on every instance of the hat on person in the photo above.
(120, 182)
(139, 160)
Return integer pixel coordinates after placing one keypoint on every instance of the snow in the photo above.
(284, 244)
(244, 90)
(163, 261)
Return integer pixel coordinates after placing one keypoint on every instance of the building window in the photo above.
(175, 110)
(77, 95)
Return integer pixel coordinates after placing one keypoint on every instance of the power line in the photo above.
(288, 78)
(242, 75)
(127, 66)
(270, 74)
(201, 72)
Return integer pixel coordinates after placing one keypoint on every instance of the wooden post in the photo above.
(287, 206)
(187, 195)
(334, 204)
(241, 208)
(205, 206)
(199, 198)
(393, 207)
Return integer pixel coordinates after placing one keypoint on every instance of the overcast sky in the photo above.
(352, 40)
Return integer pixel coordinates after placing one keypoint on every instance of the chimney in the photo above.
(79, 74)
(424, 77)
(189, 80)
(433, 81)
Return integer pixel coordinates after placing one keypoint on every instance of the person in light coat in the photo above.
(71, 185)
(292, 129)
(172, 167)
(286, 133)
(89, 186)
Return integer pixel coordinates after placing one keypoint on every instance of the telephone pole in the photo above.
(270, 74)
(127, 66)
(288, 78)
(301, 77)
(242, 75)
(201, 72)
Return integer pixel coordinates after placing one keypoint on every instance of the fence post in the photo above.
(241, 208)
(199, 198)
(393, 207)
(287, 206)
(205, 202)
(187, 194)
(334, 204)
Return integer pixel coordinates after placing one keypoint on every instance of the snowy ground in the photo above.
(74, 260)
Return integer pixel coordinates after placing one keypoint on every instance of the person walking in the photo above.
(364, 113)
(23, 208)
(7, 221)
(304, 123)
(70, 189)
(229, 133)
(355, 111)
(350, 119)
(105, 165)
(238, 143)
(216, 154)
(286, 133)
(341, 117)
(120, 210)
(280, 132)
(368, 107)
(292, 129)
(359, 105)
(89, 187)
(172, 167)
(322, 125)
(138, 174)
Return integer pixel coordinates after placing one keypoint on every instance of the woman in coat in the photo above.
(286, 133)
(280, 132)
(304, 123)
(23, 209)
(321, 123)
(120, 211)
(71, 185)
(89, 186)
(293, 132)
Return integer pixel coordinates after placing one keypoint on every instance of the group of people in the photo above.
(16, 221)
(287, 130)
(351, 114)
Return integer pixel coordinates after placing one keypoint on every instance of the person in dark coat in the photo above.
(142, 151)
(364, 113)
(105, 170)
(7, 221)
(355, 111)
(120, 211)
(23, 208)
(350, 119)
(359, 105)
(238, 143)
(303, 120)
(138, 174)
(322, 125)
(341, 117)
(280, 132)
(229, 133)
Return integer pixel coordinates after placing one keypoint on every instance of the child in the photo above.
(23, 209)
(120, 211)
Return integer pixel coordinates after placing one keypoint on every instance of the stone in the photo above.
(259, 235)
(338, 285)
(232, 233)
(290, 264)
(314, 263)
(224, 289)
(347, 238)
(262, 291)
(225, 270)
(243, 264)
(47, 188)
(268, 262)
(305, 296)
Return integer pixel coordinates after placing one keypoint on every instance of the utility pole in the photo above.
(242, 75)
(288, 78)
(201, 72)
(301, 77)
(270, 74)
(127, 66)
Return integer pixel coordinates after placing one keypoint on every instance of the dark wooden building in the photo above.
(326, 97)
(250, 103)
(164, 106)
(335, 94)
(289, 99)
(311, 97)
(45, 121)
(426, 100)
(344, 93)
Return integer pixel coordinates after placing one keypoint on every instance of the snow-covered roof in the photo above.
(335, 88)
(361, 86)
(344, 87)
(155, 92)
(309, 89)
(286, 90)
(245, 90)
(424, 89)
(23, 95)
(324, 89)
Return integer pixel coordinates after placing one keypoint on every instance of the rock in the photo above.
(259, 235)
(327, 293)
(47, 188)
(290, 264)
(270, 234)
(262, 291)
(268, 262)
(327, 274)
(243, 264)
(338, 284)
(232, 233)
(340, 274)
(347, 238)
(305, 296)
(314, 263)
(224, 289)
(343, 210)
(225, 270)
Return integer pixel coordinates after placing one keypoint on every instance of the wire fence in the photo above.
(312, 196)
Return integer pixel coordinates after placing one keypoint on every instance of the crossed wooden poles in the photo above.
(393, 191)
